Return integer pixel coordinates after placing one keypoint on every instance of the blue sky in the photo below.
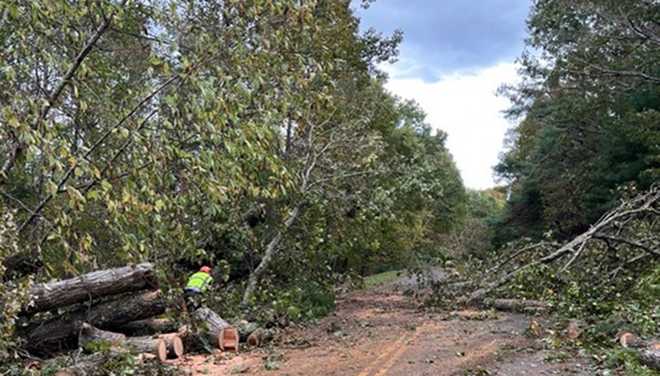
(454, 56)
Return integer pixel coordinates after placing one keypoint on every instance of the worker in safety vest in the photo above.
(198, 284)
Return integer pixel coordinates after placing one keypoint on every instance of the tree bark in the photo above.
(147, 327)
(271, 249)
(161, 346)
(61, 332)
(89, 286)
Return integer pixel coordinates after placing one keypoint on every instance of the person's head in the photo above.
(205, 269)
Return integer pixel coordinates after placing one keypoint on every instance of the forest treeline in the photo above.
(588, 105)
(581, 226)
(255, 136)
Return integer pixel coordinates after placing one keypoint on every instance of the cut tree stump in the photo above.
(161, 347)
(46, 296)
(60, 333)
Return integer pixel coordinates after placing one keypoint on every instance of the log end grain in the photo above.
(161, 350)
(176, 350)
(228, 339)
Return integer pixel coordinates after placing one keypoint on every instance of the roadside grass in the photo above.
(381, 278)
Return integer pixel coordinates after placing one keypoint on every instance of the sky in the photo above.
(454, 56)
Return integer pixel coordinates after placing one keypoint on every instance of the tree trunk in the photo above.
(46, 296)
(271, 249)
(147, 327)
(162, 347)
(61, 332)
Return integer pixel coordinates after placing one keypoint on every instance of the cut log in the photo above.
(259, 337)
(175, 348)
(650, 357)
(61, 333)
(136, 345)
(147, 327)
(647, 351)
(210, 325)
(46, 296)
(518, 305)
(245, 328)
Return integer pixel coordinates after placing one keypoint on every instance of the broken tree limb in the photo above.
(271, 250)
(46, 296)
(642, 204)
(61, 332)
(135, 345)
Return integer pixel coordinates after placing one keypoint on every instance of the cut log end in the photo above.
(228, 339)
(175, 348)
(253, 340)
(161, 350)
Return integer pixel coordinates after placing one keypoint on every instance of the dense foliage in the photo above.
(590, 104)
(252, 135)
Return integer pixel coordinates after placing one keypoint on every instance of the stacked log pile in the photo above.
(118, 309)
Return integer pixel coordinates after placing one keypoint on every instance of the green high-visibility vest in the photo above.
(200, 281)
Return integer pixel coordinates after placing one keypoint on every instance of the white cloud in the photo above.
(465, 106)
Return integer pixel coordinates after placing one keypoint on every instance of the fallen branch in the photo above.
(640, 205)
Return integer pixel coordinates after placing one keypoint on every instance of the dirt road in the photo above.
(382, 332)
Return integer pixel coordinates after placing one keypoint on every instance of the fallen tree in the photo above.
(608, 229)
(46, 296)
(60, 333)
